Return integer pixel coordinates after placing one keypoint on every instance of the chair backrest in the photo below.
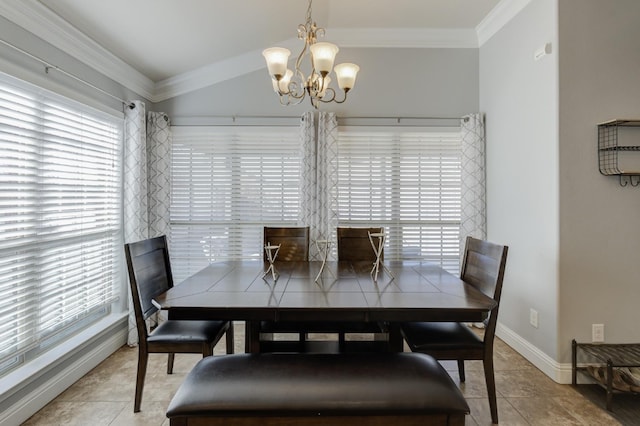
(354, 243)
(149, 275)
(483, 267)
(294, 243)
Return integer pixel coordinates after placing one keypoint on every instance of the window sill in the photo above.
(54, 359)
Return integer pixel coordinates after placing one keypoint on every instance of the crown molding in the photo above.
(499, 16)
(36, 18)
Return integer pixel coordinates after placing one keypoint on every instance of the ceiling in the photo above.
(166, 39)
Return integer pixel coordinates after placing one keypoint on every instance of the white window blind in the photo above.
(60, 218)
(226, 184)
(408, 181)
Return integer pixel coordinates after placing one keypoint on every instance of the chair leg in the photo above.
(207, 350)
(229, 337)
(142, 371)
(491, 387)
(461, 370)
(170, 358)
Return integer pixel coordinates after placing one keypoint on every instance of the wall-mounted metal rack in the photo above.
(609, 149)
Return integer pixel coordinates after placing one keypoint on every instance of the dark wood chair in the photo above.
(150, 275)
(294, 247)
(294, 243)
(483, 267)
(354, 244)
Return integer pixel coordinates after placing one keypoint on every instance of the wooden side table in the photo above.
(609, 355)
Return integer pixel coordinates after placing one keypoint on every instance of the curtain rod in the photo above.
(49, 66)
(355, 121)
(398, 118)
(289, 117)
(230, 120)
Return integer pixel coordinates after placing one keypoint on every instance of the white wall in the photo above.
(600, 231)
(28, 69)
(573, 235)
(519, 97)
(391, 83)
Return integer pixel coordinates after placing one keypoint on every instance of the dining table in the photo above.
(337, 291)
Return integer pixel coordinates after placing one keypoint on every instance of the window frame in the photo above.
(391, 148)
(246, 152)
(44, 136)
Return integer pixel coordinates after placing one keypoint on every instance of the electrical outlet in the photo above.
(597, 333)
(533, 317)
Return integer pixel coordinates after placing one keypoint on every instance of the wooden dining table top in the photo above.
(346, 291)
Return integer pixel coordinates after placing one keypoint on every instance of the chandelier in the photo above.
(292, 86)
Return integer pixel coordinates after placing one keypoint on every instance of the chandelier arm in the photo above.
(343, 99)
(331, 99)
(296, 90)
(286, 100)
(295, 96)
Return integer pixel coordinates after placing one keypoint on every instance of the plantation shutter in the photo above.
(409, 182)
(60, 216)
(226, 184)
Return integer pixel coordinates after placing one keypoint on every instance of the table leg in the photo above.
(252, 337)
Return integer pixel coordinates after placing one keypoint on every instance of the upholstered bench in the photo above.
(318, 389)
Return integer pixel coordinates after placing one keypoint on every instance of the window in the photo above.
(226, 184)
(408, 181)
(60, 218)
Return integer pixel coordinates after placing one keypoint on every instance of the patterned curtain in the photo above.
(474, 217)
(146, 182)
(136, 218)
(327, 183)
(158, 170)
(308, 176)
(318, 178)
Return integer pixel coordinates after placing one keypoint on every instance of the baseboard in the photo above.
(40, 393)
(559, 373)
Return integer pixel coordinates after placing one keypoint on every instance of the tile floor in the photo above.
(105, 395)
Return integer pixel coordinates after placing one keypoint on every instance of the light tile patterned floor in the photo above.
(105, 396)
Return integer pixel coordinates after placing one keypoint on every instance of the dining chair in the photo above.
(294, 247)
(354, 245)
(483, 267)
(293, 241)
(150, 275)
